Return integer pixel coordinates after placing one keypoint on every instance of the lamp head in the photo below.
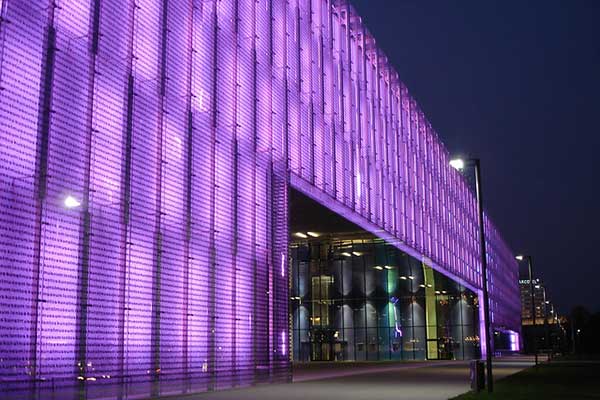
(457, 163)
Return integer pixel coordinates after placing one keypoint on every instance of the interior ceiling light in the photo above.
(388, 267)
(357, 253)
(313, 234)
(403, 277)
(378, 267)
(301, 235)
(347, 254)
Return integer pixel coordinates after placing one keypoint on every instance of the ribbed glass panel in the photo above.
(147, 149)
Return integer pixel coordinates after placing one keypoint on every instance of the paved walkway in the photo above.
(377, 381)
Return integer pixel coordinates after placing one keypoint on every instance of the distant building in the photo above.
(547, 329)
(542, 304)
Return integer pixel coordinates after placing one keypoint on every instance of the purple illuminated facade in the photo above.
(146, 152)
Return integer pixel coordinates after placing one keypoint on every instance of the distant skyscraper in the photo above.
(543, 306)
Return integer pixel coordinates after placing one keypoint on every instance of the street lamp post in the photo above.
(546, 326)
(531, 288)
(572, 326)
(459, 164)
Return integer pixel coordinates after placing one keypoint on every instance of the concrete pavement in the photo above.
(374, 381)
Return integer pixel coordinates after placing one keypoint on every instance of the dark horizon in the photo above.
(526, 74)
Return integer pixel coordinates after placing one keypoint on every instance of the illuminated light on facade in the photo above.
(71, 202)
(514, 341)
(180, 125)
(397, 330)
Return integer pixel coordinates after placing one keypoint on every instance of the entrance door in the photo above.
(321, 352)
(446, 348)
(323, 343)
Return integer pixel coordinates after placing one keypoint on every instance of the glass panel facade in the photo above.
(147, 149)
(355, 297)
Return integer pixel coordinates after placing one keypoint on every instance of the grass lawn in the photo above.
(560, 380)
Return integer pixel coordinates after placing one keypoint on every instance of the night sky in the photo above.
(516, 84)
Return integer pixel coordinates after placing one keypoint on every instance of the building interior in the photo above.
(355, 297)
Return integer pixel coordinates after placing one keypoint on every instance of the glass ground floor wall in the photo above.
(355, 297)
